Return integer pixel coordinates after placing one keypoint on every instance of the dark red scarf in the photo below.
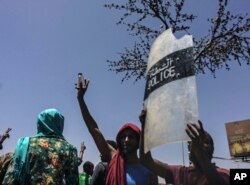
(116, 172)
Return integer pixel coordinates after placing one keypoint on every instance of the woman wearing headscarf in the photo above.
(46, 158)
(124, 165)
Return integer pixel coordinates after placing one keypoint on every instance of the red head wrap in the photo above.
(115, 173)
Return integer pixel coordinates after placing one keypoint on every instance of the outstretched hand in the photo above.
(195, 132)
(83, 147)
(198, 139)
(82, 88)
(5, 135)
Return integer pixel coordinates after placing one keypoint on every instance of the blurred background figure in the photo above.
(5, 161)
(45, 158)
(98, 177)
(86, 175)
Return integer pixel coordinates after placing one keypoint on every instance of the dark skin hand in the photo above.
(4, 136)
(83, 148)
(199, 148)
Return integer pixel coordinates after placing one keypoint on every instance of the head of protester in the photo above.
(86, 176)
(128, 139)
(123, 163)
(45, 157)
(201, 171)
(88, 168)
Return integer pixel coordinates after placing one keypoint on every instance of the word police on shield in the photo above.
(170, 94)
(175, 66)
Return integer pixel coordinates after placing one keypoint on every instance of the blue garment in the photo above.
(21, 166)
(136, 174)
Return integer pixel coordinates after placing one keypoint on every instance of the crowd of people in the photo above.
(47, 158)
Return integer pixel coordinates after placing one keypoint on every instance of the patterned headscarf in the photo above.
(116, 172)
(50, 122)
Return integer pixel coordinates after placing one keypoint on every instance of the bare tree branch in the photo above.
(226, 41)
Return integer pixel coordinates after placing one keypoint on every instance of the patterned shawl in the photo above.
(49, 123)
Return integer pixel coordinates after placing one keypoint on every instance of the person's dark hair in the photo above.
(87, 164)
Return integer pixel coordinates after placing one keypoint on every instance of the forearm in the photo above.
(1, 139)
(145, 158)
(157, 167)
(81, 155)
(80, 158)
(212, 175)
(88, 119)
(94, 130)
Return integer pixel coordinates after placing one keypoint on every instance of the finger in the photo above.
(143, 113)
(201, 125)
(142, 116)
(76, 87)
(81, 85)
(192, 129)
(190, 135)
(198, 129)
(86, 83)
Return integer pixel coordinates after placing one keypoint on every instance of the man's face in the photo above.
(128, 141)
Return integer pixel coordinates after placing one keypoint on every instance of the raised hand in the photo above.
(82, 88)
(83, 147)
(195, 132)
(5, 135)
(200, 146)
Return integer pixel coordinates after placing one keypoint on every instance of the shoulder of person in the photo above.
(222, 170)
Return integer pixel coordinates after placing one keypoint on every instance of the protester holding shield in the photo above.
(124, 165)
(201, 172)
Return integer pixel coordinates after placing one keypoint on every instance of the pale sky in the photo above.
(44, 44)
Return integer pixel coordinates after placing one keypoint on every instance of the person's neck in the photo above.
(197, 166)
(132, 158)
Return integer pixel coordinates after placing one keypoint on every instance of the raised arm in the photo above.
(202, 149)
(91, 124)
(157, 167)
(82, 149)
(4, 136)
